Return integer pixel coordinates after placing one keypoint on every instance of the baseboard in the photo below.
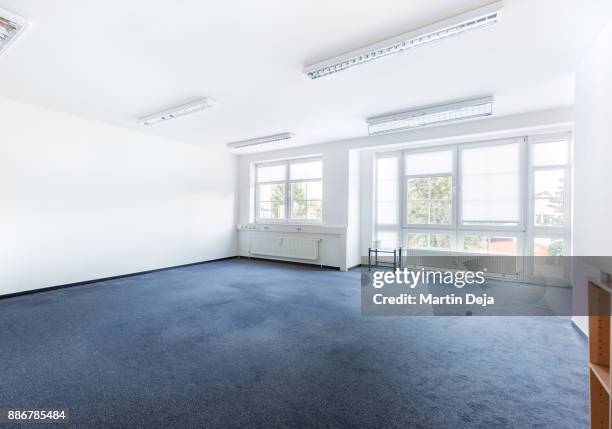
(281, 261)
(103, 279)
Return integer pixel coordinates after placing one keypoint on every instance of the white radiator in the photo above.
(285, 247)
(495, 265)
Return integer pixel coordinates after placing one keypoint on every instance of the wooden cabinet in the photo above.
(600, 300)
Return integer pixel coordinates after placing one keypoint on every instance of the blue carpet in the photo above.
(244, 344)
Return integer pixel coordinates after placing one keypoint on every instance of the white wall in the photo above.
(340, 167)
(593, 161)
(81, 200)
(593, 152)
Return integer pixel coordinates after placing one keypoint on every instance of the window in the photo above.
(388, 238)
(271, 192)
(549, 153)
(496, 245)
(506, 197)
(548, 246)
(549, 176)
(549, 197)
(429, 184)
(428, 240)
(306, 189)
(548, 263)
(549, 204)
(387, 201)
(386, 190)
(289, 190)
(490, 185)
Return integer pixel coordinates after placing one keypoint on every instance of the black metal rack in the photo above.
(397, 258)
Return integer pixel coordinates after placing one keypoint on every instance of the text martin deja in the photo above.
(429, 299)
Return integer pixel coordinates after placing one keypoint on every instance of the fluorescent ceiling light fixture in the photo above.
(260, 140)
(459, 24)
(186, 109)
(431, 115)
(11, 27)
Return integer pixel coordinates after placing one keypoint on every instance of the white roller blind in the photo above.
(437, 162)
(491, 185)
(271, 173)
(303, 170)
(386, 190)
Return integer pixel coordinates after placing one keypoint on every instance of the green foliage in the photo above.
(429, 200)
(556, 248)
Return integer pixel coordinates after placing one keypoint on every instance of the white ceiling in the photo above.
(115, 61)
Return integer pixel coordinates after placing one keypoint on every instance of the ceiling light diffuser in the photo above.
(11, 27)
(260, 140)
(431, 115)
(186, 109)
(459, 24)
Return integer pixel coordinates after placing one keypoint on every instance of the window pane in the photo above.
(265, 210)
(386, 190)
(418, 212)
(271, 173)
(306, 200)
(503, 245)
(440, 213)
(549, 205)
(490, 244)
(306, 170)
(549, 265)
(388, 239)
(418, 189)
(271, 201)
(271, 210)
(314, 190)
(475, 243)
(386, 213)
(429, 200)
(441, 187)
(422, 163)
(552, 153)
(298, 191)
(314, 210)
(386, 168)
(491, 185)
(546, 246)
(272, 192)
(440, 241)
(265, 192)
(298, 209)
(419, 240)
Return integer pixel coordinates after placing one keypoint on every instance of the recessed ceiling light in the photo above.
(431, 115)
(459, 24)
(260, 140)
(176, 112)
(11, 27)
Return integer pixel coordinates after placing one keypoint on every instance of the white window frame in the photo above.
(388, 226)
(520, 226)
(553, 231)
(442, 231)
(525, 231)
(403, 201)
(287, 219)
(506, 233)
(275, 182)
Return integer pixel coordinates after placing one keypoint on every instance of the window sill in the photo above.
(304, 228)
